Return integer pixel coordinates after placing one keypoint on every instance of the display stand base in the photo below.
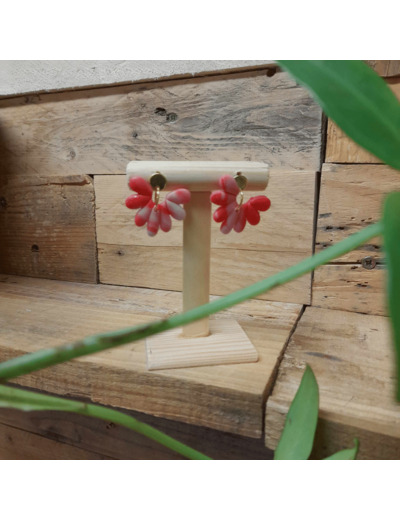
(227, 344)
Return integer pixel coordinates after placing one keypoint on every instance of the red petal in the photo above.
(229, 185)
(241, 221)
(180, 196)
(221, 198)
(220, 214)
(175, 210)
(142, 216)
(165, 221)
(163, 208)
(252, 215)
(136, 201)
(153, 223)
(140, 186)
(261, 202)
(228, 224)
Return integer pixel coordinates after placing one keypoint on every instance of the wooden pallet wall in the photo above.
(48, 227)
(62, 164)
(352, 358)
(59, 435)
(353, 186)
(345, 335)
(127, 256)
(62, 186)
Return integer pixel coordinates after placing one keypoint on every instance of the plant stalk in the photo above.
(30, 401)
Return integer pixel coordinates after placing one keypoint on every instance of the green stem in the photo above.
(31, 401)
(44, 358)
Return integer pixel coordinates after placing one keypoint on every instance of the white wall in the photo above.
(21, 77)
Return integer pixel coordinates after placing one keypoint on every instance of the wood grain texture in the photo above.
(41, 313)
(249, 116)
(161, 268)
(350, 287)
(17, 444)
(351, 198)
(352, 358)
(200, 176)
(285, 227)
(342, 149)
(385, 68)
(47, 227)
(127, 256)
(115, 441)
(196, 261)
(226, 344)
(332, 437)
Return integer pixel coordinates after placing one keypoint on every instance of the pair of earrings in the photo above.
(232, 214)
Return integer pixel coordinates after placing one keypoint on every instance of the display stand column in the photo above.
(208, 341)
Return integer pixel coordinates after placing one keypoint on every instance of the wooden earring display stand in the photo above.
(204, 342)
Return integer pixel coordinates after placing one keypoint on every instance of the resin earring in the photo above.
(234, 214)
(157, 215)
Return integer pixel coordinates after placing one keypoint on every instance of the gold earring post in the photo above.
(241, 181)
(157, 182)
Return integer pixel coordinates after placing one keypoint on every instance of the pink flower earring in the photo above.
(231, 213)
(155, 214)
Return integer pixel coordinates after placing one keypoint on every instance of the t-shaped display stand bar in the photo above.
(199, 344)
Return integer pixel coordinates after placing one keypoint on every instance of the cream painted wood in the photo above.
(196, 260)
(201, 175)
(227, 344)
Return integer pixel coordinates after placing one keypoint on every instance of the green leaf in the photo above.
(32, 401)
(349, 454)
(391, 240)
(297, 438)
(358, 100)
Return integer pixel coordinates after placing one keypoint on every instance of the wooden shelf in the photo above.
(353, 360)
(38, 313)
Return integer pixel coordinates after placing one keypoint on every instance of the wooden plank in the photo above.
(249, 116)
(128, 256)
(342, 149)
(226, 343)
(355, 379)
(351, 198)
(385, 68)
(285, 227)
(201, 176)
(117, 442)
(41, 313)
(47, 227)
(196, 263)
(332, 437)
(350, 287)
(161, 268)
(16, 444)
